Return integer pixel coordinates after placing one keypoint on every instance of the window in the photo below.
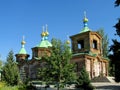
(80, 44)
(94, 44)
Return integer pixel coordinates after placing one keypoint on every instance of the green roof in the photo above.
(44, 43)
(22, 51)
(85, 29)
(90, 53)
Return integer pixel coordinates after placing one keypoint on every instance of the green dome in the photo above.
(22, 51)
(44, 43)
(85, 29)
(48, 43)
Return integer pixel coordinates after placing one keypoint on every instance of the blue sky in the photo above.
(64, 17)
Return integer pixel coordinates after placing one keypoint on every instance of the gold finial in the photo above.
(46, 32)
(68, 41)
(43, 33)
(23, 42)
(85, 18)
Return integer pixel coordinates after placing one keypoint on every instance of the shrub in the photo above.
(83, 80)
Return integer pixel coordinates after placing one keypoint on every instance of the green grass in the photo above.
(3, 86)
(10, 88)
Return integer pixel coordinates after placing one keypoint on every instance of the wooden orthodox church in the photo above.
(86, 50)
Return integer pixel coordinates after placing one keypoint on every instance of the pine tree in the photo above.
(115, 49)
(58, 68)
(10, 70)
(105, 42)
(1, 64)
(117, 2)
(83, 80)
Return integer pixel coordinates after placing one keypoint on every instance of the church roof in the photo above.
(85, 29)
(89, 53)
(44, 42)
(22, 50)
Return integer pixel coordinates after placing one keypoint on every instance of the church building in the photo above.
(86, 51)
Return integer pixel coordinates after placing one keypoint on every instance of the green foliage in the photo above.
(83, 80)
(105, 42)
(1, 64)
(115, 59)
(58, 67)
(115, 49)
(117, 2)
(117, 26)
(10, 72)
(13, 88)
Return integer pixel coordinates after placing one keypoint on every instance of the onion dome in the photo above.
(67, 42)
(43, 33)
(44, 42)
(23, 42)
(22, 50)
(46, 32)
(85, 22)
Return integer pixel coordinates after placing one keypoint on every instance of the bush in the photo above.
(4, 86)
(83, 80)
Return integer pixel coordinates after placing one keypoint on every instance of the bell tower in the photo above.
(43, 48)
(22, 54)
(87, 51)
(86, 41)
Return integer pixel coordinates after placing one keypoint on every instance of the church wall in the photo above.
(24, 71)
(88, 66)
(97, 68)
(79, 62)
(98, 50)
(105, 68)
(33, 68)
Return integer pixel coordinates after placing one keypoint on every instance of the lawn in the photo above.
(3, 86)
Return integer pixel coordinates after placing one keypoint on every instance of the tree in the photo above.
(1, 64)
(115, 56)
(117, 26)
(115, 49)
(58, 67)
(83, 80)
(117, 2)
(105, 42)
(10, 70)
(115, 59)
